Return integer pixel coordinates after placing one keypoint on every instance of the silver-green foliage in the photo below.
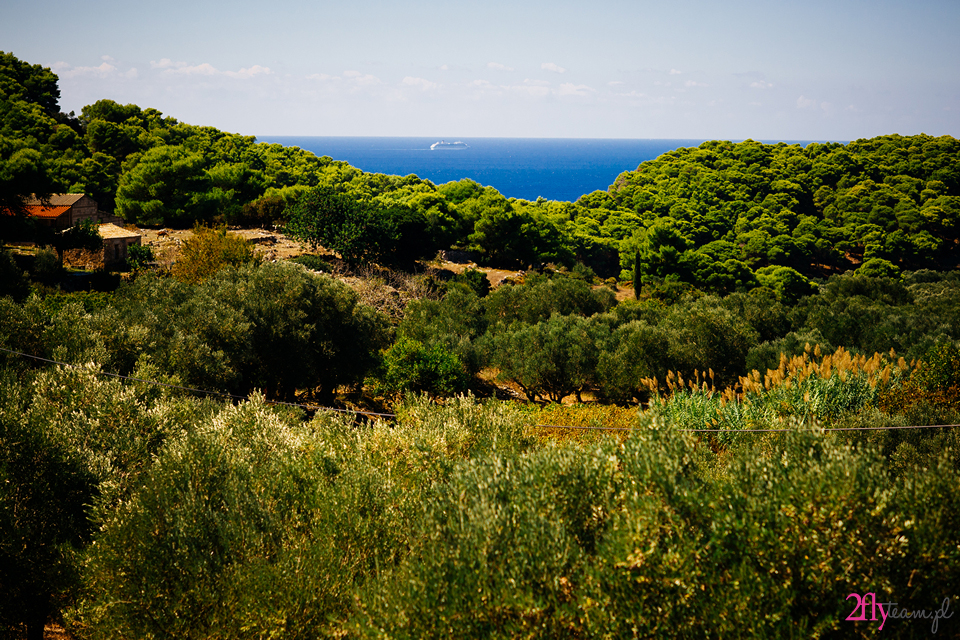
(256, 525)
(72, 443)
(653, 537)
(452, 521)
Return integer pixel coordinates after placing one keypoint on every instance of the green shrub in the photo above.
(140, 255)
(72, 443)
(13, 280)
(475, 279)
(878, 268)
(499, 550)
(634, 351)
(210, 250)
(262, 212)
(208, 524)
(940, 369)
(772, 545)
(45, 486)
(272, 326)
(455, 322)
(254, 524)
(565, 363)
(46, 266)
(360, 229)
(539, 298)
(409, 365)
(312, 262)
(454, 520)
(703, 334)
(653, 537)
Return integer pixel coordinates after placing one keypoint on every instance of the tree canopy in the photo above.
(722, 217)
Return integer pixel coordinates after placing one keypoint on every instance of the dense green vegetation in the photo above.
(157, 484)
(723, 217)
(212, 520)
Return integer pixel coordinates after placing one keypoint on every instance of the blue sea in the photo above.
(556, 168)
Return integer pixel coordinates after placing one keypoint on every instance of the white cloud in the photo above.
(643, 99)
(498, 67)
(550, 66)
(255, 70)
(483, 88)
(761, 84)
(65, 70)
(444, 67)
(169, 67)
(107, 58)
(421, 83)
(537, 88)
(570, 89)
(675, 72)
(323, 77)
(809, 103)
(361, 79)
(614, 83)
(691, 83)
(203, 69)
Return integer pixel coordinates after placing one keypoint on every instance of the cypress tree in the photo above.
(636, 276)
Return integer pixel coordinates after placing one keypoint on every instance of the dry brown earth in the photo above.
(273, 245)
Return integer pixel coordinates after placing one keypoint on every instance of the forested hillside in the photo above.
(724, 217)
(880, 205)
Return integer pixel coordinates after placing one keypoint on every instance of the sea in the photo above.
(560, 169)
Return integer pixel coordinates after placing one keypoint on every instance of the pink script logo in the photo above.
(890, 610)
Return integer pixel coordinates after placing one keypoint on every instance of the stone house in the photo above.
(117, 242)
(63, 210)
(116, 248)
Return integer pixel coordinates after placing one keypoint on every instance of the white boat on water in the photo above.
(444, 145)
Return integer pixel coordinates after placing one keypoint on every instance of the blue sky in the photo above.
(740, 69)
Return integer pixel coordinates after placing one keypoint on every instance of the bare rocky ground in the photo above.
(270, 244)
(273, 245)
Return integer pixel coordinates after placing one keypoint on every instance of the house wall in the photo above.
(105, 256)
(117, 249)
(83, 209)
(59, 223)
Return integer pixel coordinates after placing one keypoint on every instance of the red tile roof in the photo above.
(41, 212)
(48, 212)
